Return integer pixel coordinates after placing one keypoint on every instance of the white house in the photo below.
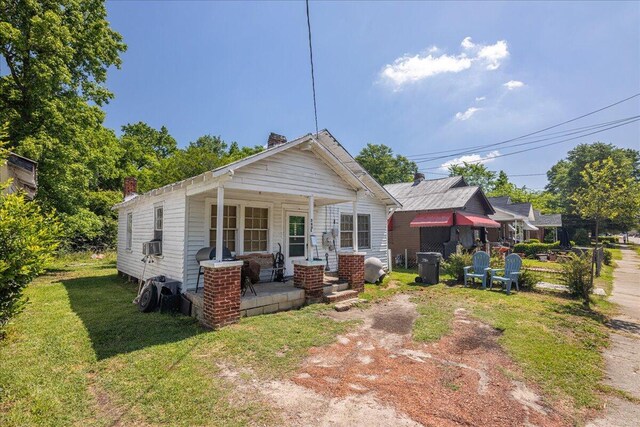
(302, 195)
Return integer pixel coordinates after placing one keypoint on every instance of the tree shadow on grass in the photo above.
(115, 326)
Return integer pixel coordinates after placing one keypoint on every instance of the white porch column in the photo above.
(355, 225)
(219, 225)
(310, 252)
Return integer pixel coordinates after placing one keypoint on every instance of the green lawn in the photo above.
(81, 353)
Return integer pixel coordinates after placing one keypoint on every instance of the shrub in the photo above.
(533, 241)
(576, 274)
(607, 239)
(527, 279)
(454, 266)
(608, 256)
(549, 237)
(531, 249)
(29, 240)
(581, 237)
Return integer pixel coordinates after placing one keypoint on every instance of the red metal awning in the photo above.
(432, 219)
(475, 220)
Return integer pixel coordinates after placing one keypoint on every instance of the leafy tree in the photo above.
(475, 174)
(566, 178)
(29, 240)
(609, 190)
(58, 53)
(379, 161)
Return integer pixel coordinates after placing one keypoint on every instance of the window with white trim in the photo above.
(256, 229)
(364, 231)
(346, 230)
(158, 221)
(229, 226)
(129, 234)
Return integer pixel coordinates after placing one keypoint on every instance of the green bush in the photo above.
(527, 279)
(576, 274)
(608, 257)
(581, 237)
(454, 266)
(549, 237)
(531, 249)
(607, 239)
(533, 241)
(29, 240)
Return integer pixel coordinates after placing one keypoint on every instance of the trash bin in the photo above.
(428, 267)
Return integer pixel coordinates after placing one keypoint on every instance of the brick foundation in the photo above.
(221, 296)
(309, 277)
(351, 269)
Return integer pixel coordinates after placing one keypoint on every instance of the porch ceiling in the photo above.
(269, 196)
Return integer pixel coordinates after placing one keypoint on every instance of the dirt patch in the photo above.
(378, 376)
(459, 380)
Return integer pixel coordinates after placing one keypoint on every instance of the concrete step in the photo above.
(335, 287)
(347, 304)
(335, 297)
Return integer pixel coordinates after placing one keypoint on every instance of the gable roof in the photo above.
(549, 220)
(436, 194)
(504, 203)
(331, 155)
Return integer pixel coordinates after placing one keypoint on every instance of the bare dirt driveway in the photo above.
(378, 376)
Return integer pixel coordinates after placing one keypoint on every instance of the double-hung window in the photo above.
(129, 234)
(158, 222)
(229, 226)
(364, 231)
(256, 229)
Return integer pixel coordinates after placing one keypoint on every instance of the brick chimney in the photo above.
(418, 178)
(275, 140)
(130, 186)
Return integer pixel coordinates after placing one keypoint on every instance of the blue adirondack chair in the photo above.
(479, 269)
(512, 265)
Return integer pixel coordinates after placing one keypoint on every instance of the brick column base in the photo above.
(221, 297)
(351, 269)
(310, 277)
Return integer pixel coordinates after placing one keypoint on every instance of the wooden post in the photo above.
(219, 225)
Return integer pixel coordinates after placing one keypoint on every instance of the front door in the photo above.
(296, 239)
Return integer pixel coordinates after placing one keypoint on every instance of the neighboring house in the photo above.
(436, 215)
(520, 222)
(546, 224)
(23, 174)
(304, 196)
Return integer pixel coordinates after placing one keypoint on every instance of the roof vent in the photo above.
(275, 140)
(418, 178)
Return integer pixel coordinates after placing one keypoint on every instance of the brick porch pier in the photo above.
(221, 293)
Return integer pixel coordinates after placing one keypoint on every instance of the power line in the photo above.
(550, 127)
(545, 145)
(566, 132)
(626, 120)
(313, 79)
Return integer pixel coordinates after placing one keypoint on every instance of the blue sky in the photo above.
(419, 77)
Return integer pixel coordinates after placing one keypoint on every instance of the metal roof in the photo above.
(436, 194)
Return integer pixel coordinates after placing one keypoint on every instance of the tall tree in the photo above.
(565, 177)
(58, 53)
(609, 191)
(475, 174)
(379, 161)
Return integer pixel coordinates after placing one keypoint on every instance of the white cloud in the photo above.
(467, 43)
(494, 54)
(480, 98)
(408, 69)
(413, 68)
(471, 158)
(467, 114)
(513, 84)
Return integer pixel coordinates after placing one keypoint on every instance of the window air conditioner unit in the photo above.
(153, 247)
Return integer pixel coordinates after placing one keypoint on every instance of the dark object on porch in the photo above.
(428, 267)
(249, 275)
(278, 265)
(207, 254)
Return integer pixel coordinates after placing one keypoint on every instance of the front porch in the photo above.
(272, 297)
